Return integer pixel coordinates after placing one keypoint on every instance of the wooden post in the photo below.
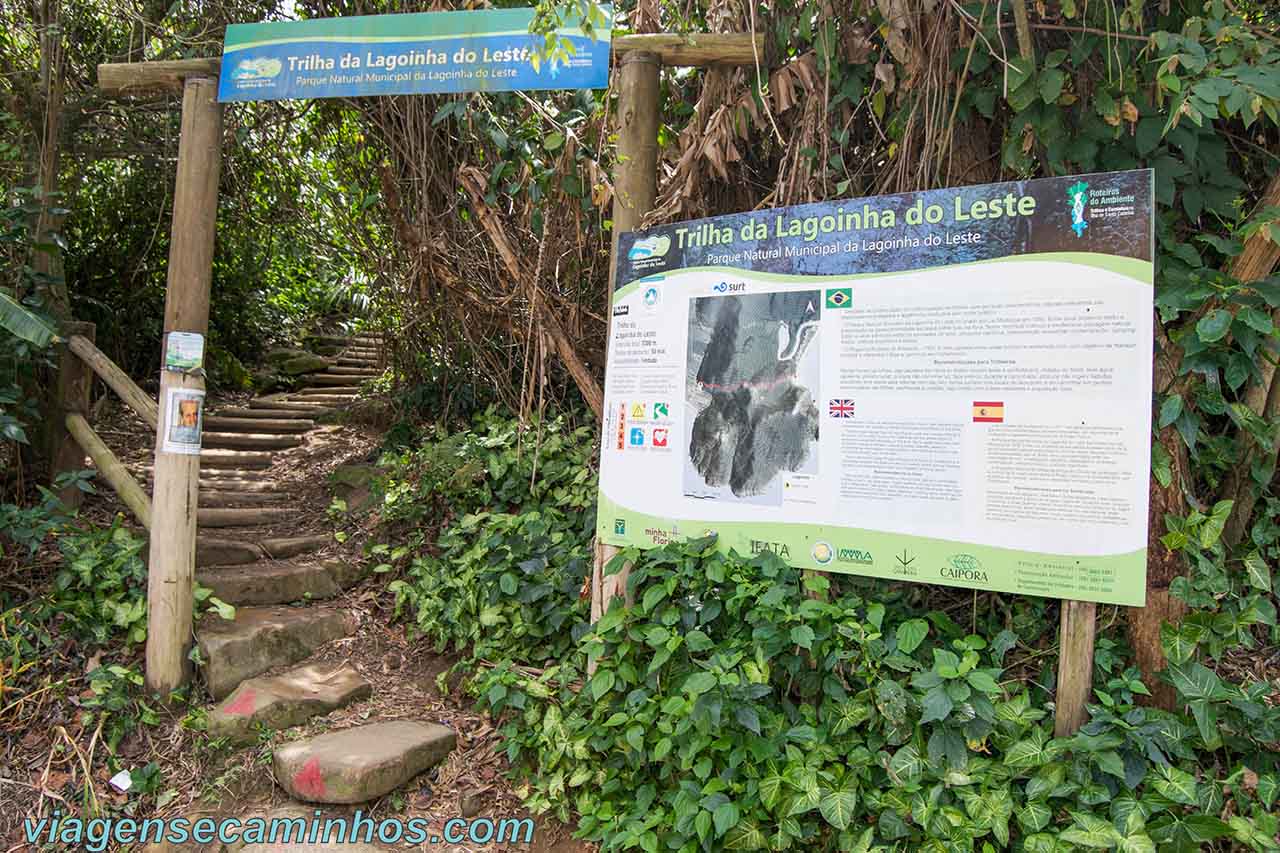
(186, 309)
(75, 380)
(635, 187)
(1075, 666)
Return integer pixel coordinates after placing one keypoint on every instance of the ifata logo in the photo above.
(822, 553)
(779, 548)
(964, 567)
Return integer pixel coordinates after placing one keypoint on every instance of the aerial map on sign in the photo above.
(948, 387)
(751, 391)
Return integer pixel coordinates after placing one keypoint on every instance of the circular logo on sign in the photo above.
(652, 297)
(822, 553)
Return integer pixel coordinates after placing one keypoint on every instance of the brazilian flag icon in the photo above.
(840, 297)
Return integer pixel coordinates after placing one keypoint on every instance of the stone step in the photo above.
(329, 379)
(242, 517)
(337, 393)
(219, 551)
(360, 764)
(249, 441)
(258, 425)
(238, 481)
(220, 479)
(347, 370)
(335, 340)
(260, 638)
(307, 409)
(351, 361)
(218, 498)
(286, 700)
(325, 400)
(280, 582)
(268, 414)
(284, 547)
(235, 459)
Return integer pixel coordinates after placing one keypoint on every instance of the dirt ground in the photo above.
(52, 761)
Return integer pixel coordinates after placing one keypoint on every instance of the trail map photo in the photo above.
(753, 369)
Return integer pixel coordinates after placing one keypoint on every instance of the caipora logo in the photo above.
(257, 69)
(649, 247)
(1078, 194)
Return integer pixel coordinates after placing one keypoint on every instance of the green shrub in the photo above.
(505, 576)
(732, 710)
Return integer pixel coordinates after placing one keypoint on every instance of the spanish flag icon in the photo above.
(988, 413)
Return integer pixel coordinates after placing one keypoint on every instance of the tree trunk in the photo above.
(1263, 398)
(1163, 565)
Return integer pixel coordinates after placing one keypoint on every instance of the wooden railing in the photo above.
(81, 361)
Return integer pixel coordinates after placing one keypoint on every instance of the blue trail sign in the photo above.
(403, 54)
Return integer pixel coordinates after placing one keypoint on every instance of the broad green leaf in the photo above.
(802, 636)
(837, 805)
(748, 718)
(1203, 827)
(771, 789)
(602, 683)
(1268, 789)
(725, 817)
(1091, 831)
(1214, 325)
(20, 322)
(1026, 754)
(699, 683)
(981, 680)
(1258, 570)
(1051, 82)
(937, 705)
(1110, 762)
(911, 634)
(907, 765)
(1177, 785)
(1196, 681)
(1260, 321)
(1211, 530)
(1169, 410)
(1179, 642)
(1138, 843)
(1034, 817)
(747, 835)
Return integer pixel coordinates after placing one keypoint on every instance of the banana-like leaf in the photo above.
(20, 322)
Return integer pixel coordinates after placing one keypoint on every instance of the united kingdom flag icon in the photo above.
(841, 408)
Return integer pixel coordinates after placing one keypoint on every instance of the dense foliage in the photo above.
(515, 506)
(741, 704)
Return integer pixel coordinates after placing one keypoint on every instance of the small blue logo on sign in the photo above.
(637, 437)
(1078, 194)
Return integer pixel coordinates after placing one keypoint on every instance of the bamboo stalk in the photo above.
(117, 380)
(111, 468)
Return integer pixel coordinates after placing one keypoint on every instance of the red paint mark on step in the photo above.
(244, 704)
(308, 781)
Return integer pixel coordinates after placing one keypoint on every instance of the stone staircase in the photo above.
(266, 576)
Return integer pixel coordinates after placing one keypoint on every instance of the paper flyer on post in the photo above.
(949, 387)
